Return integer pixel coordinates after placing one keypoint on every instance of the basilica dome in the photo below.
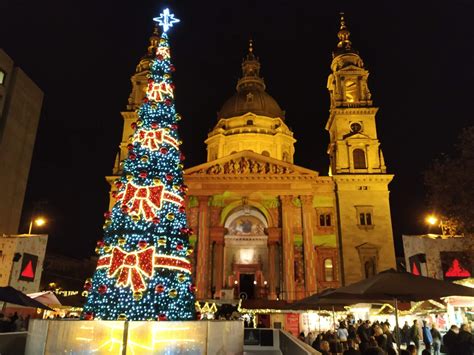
(251, 100)
(251, 120)
(251, 95)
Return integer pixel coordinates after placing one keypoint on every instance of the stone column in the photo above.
(217, 236)
(308, 250)
(274, 236)
(288, 249)
(202, 268)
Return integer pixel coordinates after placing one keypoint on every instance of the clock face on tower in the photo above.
(356, 127)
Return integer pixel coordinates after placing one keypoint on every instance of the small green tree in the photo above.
(450, 183)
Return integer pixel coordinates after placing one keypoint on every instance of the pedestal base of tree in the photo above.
(134, 337)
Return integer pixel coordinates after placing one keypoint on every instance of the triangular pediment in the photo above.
(250, 164)
(367, 246)
(352, 67)
(355, 135)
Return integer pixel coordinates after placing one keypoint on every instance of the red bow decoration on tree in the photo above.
(146, 200)
(143, 200)
(157, 91)
(153, 139)
(150, 139)
(131, 267)
(163, 51)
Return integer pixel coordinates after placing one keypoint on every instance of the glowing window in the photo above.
(359, 159)
(2, 77)
(328, 270)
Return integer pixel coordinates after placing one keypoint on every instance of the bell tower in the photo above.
(139, 82)
(354, 146)
(357, 167)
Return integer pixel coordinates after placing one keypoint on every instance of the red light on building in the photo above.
(414, 270)
(456, 270)
(28, 267)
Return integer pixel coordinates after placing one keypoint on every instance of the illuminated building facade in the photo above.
(265, 227)
(20, 107)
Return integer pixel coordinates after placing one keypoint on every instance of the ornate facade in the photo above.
(266, 228)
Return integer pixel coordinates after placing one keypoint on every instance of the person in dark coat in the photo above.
(465, 341)
(374, 350)
(415, 334)
(436, 335)
(363, 332)
(351, 348)
(450, 340)
(317, 342)
(390, 338)
(352, 331)
(4, 324)
(380, 337)
(406, 333)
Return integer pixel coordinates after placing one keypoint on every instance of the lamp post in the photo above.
(38, 221)
(432, 220)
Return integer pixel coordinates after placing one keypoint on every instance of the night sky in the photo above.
(82, 54)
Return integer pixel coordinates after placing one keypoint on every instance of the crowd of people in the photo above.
(377, 338)
(13, 323)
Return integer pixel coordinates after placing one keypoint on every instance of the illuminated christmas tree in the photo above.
(143, 272)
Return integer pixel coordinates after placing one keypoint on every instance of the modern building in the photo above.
(21, 261)
(20, 107)
(265, 227)
(439, 256)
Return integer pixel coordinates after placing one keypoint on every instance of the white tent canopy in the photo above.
(45, 297)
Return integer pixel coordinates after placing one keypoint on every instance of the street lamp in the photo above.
(40, 221)
(432, 220)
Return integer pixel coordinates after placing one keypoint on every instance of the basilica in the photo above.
(265, 228)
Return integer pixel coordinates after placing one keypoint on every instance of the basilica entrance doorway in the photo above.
(247, 286)
(246, 252)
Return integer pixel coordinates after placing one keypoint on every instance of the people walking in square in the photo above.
(450, 340)
(436, 335)
(415, 334)
(465, 340)
(427, 338)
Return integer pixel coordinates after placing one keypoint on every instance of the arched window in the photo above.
(265, 153)
(328, 270)
(286, 156)
(359, 159)
(249, 123)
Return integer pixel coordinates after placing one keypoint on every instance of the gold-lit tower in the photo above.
(357, 167)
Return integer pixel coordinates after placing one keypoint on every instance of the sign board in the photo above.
(292, 323)
(28, 267)
(456, 265)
